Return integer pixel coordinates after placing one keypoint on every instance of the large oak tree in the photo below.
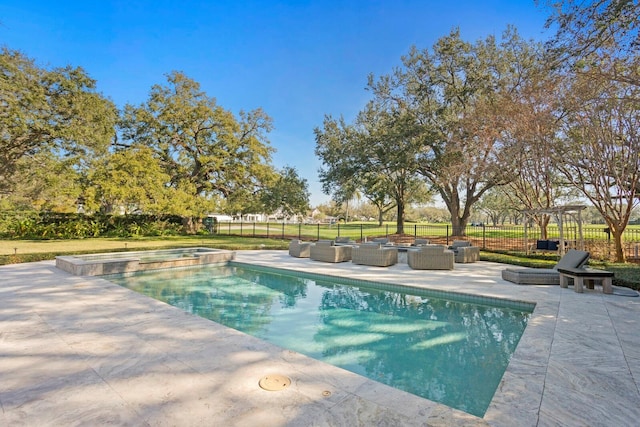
(206, 151)
(49, 115)
(454, 94)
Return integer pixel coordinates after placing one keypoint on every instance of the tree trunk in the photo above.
(543, 223)
(400, 220)
(188, 225)
(380, 217)
(617, 244)
(459, 225)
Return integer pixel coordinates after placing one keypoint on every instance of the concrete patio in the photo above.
(83, 351)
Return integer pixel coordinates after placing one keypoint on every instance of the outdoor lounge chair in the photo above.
(327, 251)
(546, 276)
(299, 249)
(430, 257)
(374, 254)
(464, 252)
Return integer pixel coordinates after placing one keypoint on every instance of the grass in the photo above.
(18, 251)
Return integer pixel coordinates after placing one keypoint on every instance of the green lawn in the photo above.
(15, 251)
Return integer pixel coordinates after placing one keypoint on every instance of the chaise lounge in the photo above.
(327, 251)
(430, 257)
(374, 254)
(546, 276)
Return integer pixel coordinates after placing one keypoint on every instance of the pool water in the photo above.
(446, 350)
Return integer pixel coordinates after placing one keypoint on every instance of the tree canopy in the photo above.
(445, 105)
(204, 149)
(288, 195)
(48, 113)
(374, 156)
(597, 46)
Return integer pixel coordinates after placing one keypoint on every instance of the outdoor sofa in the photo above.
(546, 276)
(327, 251)
(430, 257)
(374, 254)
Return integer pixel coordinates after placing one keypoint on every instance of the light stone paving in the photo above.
(83, 351)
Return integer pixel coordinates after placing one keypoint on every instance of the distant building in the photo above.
(221, 217)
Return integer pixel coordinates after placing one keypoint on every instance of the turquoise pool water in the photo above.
(452, 351)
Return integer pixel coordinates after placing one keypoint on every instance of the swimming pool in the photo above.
(452, 350)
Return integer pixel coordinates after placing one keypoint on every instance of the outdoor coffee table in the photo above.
(580, 274)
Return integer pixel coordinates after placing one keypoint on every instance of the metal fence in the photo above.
(597, 239)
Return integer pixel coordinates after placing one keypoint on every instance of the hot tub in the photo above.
(125, 262)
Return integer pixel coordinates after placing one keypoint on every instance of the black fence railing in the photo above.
(597, 240)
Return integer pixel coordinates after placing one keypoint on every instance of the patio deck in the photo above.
(83, 351)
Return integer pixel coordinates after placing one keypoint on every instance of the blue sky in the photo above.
(298, 60)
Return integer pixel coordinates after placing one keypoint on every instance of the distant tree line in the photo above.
(179, 153)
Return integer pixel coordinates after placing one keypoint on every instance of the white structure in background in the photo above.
(253, 218)
(221, 217)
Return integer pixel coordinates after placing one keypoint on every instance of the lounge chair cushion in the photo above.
(573, 259)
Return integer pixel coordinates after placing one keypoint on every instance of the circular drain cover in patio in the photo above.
(274, 382)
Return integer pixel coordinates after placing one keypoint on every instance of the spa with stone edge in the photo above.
(127, 262)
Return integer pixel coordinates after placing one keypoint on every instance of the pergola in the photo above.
(559, 212)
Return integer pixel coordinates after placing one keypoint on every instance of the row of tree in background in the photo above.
(536, 123)
(494, 209)
(539, 124)
(177, 154)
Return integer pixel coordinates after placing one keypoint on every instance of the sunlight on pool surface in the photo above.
(448, 351)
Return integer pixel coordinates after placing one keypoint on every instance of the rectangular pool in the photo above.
(448, 348)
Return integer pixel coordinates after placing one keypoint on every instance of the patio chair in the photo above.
(327, 251)
(430, 257)
(374, 254)
(464, 252)
(546, 276)
(299, 249)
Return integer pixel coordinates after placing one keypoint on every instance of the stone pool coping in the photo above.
(81, 350)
